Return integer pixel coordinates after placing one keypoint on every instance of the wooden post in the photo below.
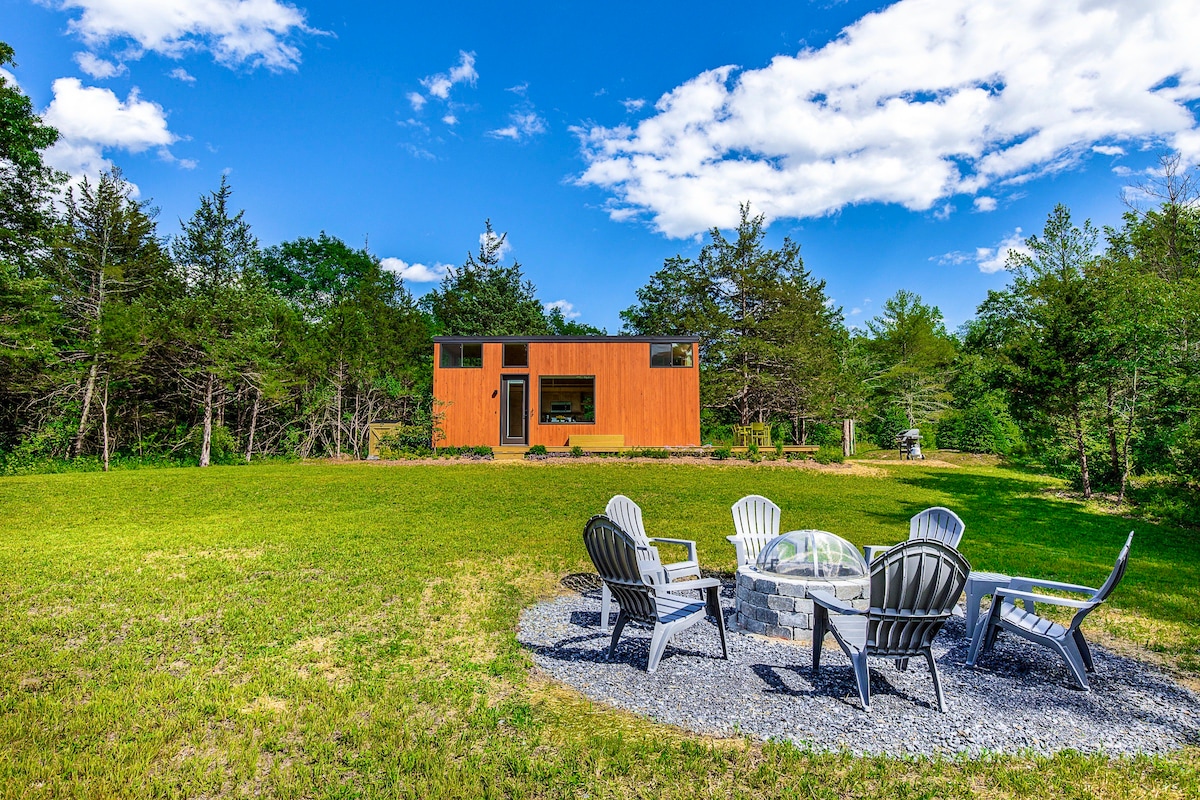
(847, 437)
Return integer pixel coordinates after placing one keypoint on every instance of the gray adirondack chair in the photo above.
(914, 587)
(1067, 641)
(646, 594)
(937, 523)
(628, 516)
(756, 520)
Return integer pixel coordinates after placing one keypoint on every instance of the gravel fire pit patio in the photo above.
(1020, 700)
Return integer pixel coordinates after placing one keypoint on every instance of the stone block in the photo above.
(789, 589)
(741, 593)
(764, 585)
(781, 603)
(779, 631)
(757, 599)
(754, 626)
(795, 620)
(767, 615)
(803, 605)
(849, 590)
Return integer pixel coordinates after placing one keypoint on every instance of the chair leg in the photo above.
(980, 635)
(714, 609)
(605, 603)
(820, 624)
(902, 664)
(622, 618)
(1084, 651)
(1071, 655)
(937, 681)
(862, 674)
(658, 644)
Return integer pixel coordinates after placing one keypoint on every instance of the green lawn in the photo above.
(348, 631)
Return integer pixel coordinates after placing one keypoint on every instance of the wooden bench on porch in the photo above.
(607, 442)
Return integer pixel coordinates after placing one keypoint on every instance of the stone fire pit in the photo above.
(772, 596)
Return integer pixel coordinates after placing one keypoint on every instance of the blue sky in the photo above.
(903, 145)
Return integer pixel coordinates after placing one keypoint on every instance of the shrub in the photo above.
(537, 450)
(482, 451)
(721, 453)
(823, 434)
(829, 455)
(576, 452)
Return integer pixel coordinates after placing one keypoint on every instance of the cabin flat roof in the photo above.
(596, 339)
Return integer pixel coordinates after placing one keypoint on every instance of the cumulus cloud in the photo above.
(417, 100)
(567, 308)
(522, 125)
(181, 74)
(97, 67)
(9, 78)
(953, 258)
(1108, 150)
(911, 105)
(416, 273)
(439, 85)
(91, 120)
(237, 32)
(985, 204)
(487, 238)
(450, 119)
(633, 105)
(993, 259)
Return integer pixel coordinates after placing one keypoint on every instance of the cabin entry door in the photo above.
(514, 409)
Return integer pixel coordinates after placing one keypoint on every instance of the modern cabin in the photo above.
(631, 391)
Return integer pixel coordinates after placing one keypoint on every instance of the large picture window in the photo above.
(567, 399)
(466, 354)
(671, 354)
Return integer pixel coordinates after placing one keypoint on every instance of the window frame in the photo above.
(504, 355)
(541, 402)
(461, 355)
(691, 355)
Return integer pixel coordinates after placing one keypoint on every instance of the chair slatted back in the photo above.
(628, 516)
(914, 587)
(939, 524)
(755, 515)
(1104, 591)
(615, 555)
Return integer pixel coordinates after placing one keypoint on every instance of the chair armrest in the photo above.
(698, 583)
(1015, 594)
(871, 551)
(688, 543)
(833, 604)
(1028, 583)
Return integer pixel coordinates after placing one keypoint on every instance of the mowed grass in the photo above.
(343, 631)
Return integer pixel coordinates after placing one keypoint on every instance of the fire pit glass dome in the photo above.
(812, 554)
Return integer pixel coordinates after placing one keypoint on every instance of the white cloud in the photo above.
(1108, 150)
(567, 308)
(9, 78)
(450, 119)
(417, 99)
(911, 105)
(415, 273)
(993, 259)
(97, 67)
(633, 105)
(181, 74)
(236, 32)
(439, 85)
(953, 258)
(91, 120)
(523, 124)
(855, 311)
(985, 204)
(505, 246)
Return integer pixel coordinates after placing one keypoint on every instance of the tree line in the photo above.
(119, 340)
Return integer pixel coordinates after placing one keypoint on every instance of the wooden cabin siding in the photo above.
(649, 406)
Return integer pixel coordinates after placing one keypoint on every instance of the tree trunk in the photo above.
(206, 442)
(1085, 480)
(104, 422)
(253, 423)
(1111, 423)
(338, 422)
(1128, 436)
(88, 390)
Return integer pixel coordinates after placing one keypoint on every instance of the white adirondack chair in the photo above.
(937, 523)
(756, 520)
(628, 517)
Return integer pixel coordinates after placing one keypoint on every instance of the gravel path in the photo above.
(1018, 700)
